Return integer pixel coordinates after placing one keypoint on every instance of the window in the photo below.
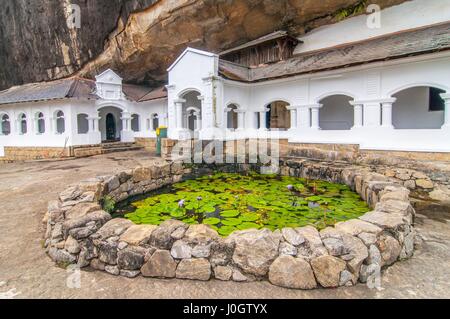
(436, 102)
(60, 123)
(155, 122)
(82, 123)
(6, 125)
(40, 123)
(23, 124)
(135, 123)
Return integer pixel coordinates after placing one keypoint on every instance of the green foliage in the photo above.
(108, 204)
(356, 9)
(230, 202)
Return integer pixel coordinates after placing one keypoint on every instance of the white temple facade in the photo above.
(381, 89)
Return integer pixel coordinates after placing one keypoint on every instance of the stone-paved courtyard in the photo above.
(27, 272)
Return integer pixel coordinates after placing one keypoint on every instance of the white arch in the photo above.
(277, 100)
(102, 104)
(183, 92)
(418, 84)
(328, 94)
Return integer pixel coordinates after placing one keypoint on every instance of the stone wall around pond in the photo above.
(80, 232)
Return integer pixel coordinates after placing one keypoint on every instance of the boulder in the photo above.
(83, 232)
(408, 245)
(335, 246)
(357, 253)
(291, 272)
(292, 237)
(368, 238)
(221, 252)
(424, 183)
(355, 227)
(161, 236)
(238, 276)
(327, 270)
(61, 256)
(131, 258)
(374, 256)
(99, 217)
(287, 249)
(97, 264)
(223, 273)
(115, 227)
(142, 174)
(160, 264)
(346, 278)
(255, 250)
(72, 245)
(395, 207)
(178, 233)
(113, 270)
(107, 252)
(195, 269)
(201, 251)
(200, 234)
(389, 248)
(313, 246)
(385, 220)
(70, 194)
(181, 250)
(138, 234)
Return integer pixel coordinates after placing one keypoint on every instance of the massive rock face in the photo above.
(140, 38)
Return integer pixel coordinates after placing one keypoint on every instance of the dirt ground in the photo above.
(26, 271)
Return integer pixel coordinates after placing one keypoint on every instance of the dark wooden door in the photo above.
(110, 127)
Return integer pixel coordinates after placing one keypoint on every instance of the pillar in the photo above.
(262, 120)
(293, 111)
(315, 116)
(179, 112)
(303, 117)
(241, 119)
(386, 120)
(446, 98)
(357, 115)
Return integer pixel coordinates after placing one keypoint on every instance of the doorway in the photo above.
(110, 128)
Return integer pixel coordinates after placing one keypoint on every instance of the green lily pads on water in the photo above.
(229, 202)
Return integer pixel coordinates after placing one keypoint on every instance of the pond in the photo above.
(230, 202)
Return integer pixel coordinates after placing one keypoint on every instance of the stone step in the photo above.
(121, 149)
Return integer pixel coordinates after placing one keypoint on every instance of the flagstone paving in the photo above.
(26, 271)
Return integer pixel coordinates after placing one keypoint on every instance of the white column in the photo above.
(293, 110)
(126, 127)
(179, 112)
(262, 120)
(357, 115)
(241, 119)
(386, 112)
(315, 116)
(303, 117)
(446, 98)
(198, 122)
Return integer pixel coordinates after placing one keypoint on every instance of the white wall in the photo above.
(411, 110)
(408, 15)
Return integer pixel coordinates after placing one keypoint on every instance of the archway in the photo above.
(232, 117)
(110, 127)
(22, 120)
(336, 112)
(419, 107)
(110, 123)
(60, 122)
(278, 116)
(5, 124)
(192, 114)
